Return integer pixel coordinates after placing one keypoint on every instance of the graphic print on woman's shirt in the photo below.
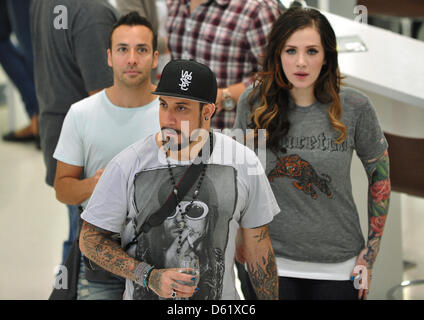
(305, 176)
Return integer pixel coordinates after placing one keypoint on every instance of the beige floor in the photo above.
(34, 226)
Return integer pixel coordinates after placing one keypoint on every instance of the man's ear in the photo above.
(209, 110)
(109, 58)
(155, 59)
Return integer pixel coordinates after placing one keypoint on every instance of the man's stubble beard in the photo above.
(131, 83)
(186, 141)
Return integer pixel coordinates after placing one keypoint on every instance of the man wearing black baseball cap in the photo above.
(171, 210)
(186, 85)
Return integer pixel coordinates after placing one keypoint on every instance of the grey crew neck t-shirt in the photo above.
(319, 220)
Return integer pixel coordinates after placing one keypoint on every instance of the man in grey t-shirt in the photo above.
(200, 225)
(70, 40)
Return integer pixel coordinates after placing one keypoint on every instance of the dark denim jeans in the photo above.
(92, 290)
(17, 61)
(73, 213)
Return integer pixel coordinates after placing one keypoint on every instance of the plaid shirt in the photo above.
(227, 35)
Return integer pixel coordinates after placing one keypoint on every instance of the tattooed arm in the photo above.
(99, 246)
(260, 259)
(378, 207)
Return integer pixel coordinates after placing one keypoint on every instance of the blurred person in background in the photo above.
(229, 36)
(17, 62)
(70, 40)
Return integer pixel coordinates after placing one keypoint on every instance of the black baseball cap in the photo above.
(188, 79)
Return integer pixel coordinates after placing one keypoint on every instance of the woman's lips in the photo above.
(301, 75)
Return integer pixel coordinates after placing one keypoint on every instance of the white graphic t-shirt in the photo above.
(234, 193)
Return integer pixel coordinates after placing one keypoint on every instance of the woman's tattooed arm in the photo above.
(378, 207)
(378, 204)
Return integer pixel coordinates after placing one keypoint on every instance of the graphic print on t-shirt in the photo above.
(305, 176)
(204, 230)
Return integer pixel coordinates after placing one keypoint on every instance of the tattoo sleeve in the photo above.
(261, 263)
(97, 244)
(378, 203)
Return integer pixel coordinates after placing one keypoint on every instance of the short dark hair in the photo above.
(134, 19)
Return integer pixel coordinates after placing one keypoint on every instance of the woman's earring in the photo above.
(206, 118)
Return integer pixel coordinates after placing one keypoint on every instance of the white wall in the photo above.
(342, 8)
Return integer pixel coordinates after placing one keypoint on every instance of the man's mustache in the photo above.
(170, 129)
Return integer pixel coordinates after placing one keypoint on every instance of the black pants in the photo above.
(302, 289)
(307, 289)
(245, 284)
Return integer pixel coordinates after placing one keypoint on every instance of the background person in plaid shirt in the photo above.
(229, 36)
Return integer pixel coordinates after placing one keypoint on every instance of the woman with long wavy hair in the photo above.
(313, 125)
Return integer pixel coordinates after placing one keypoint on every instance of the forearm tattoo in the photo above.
(264, 277)
(264, 235)
(378, 204)
(107, 253)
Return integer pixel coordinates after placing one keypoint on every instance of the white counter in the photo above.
(393, 66)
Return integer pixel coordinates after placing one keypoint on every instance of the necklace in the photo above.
(182, 224)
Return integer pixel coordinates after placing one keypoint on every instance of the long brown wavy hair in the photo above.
(273, 89)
